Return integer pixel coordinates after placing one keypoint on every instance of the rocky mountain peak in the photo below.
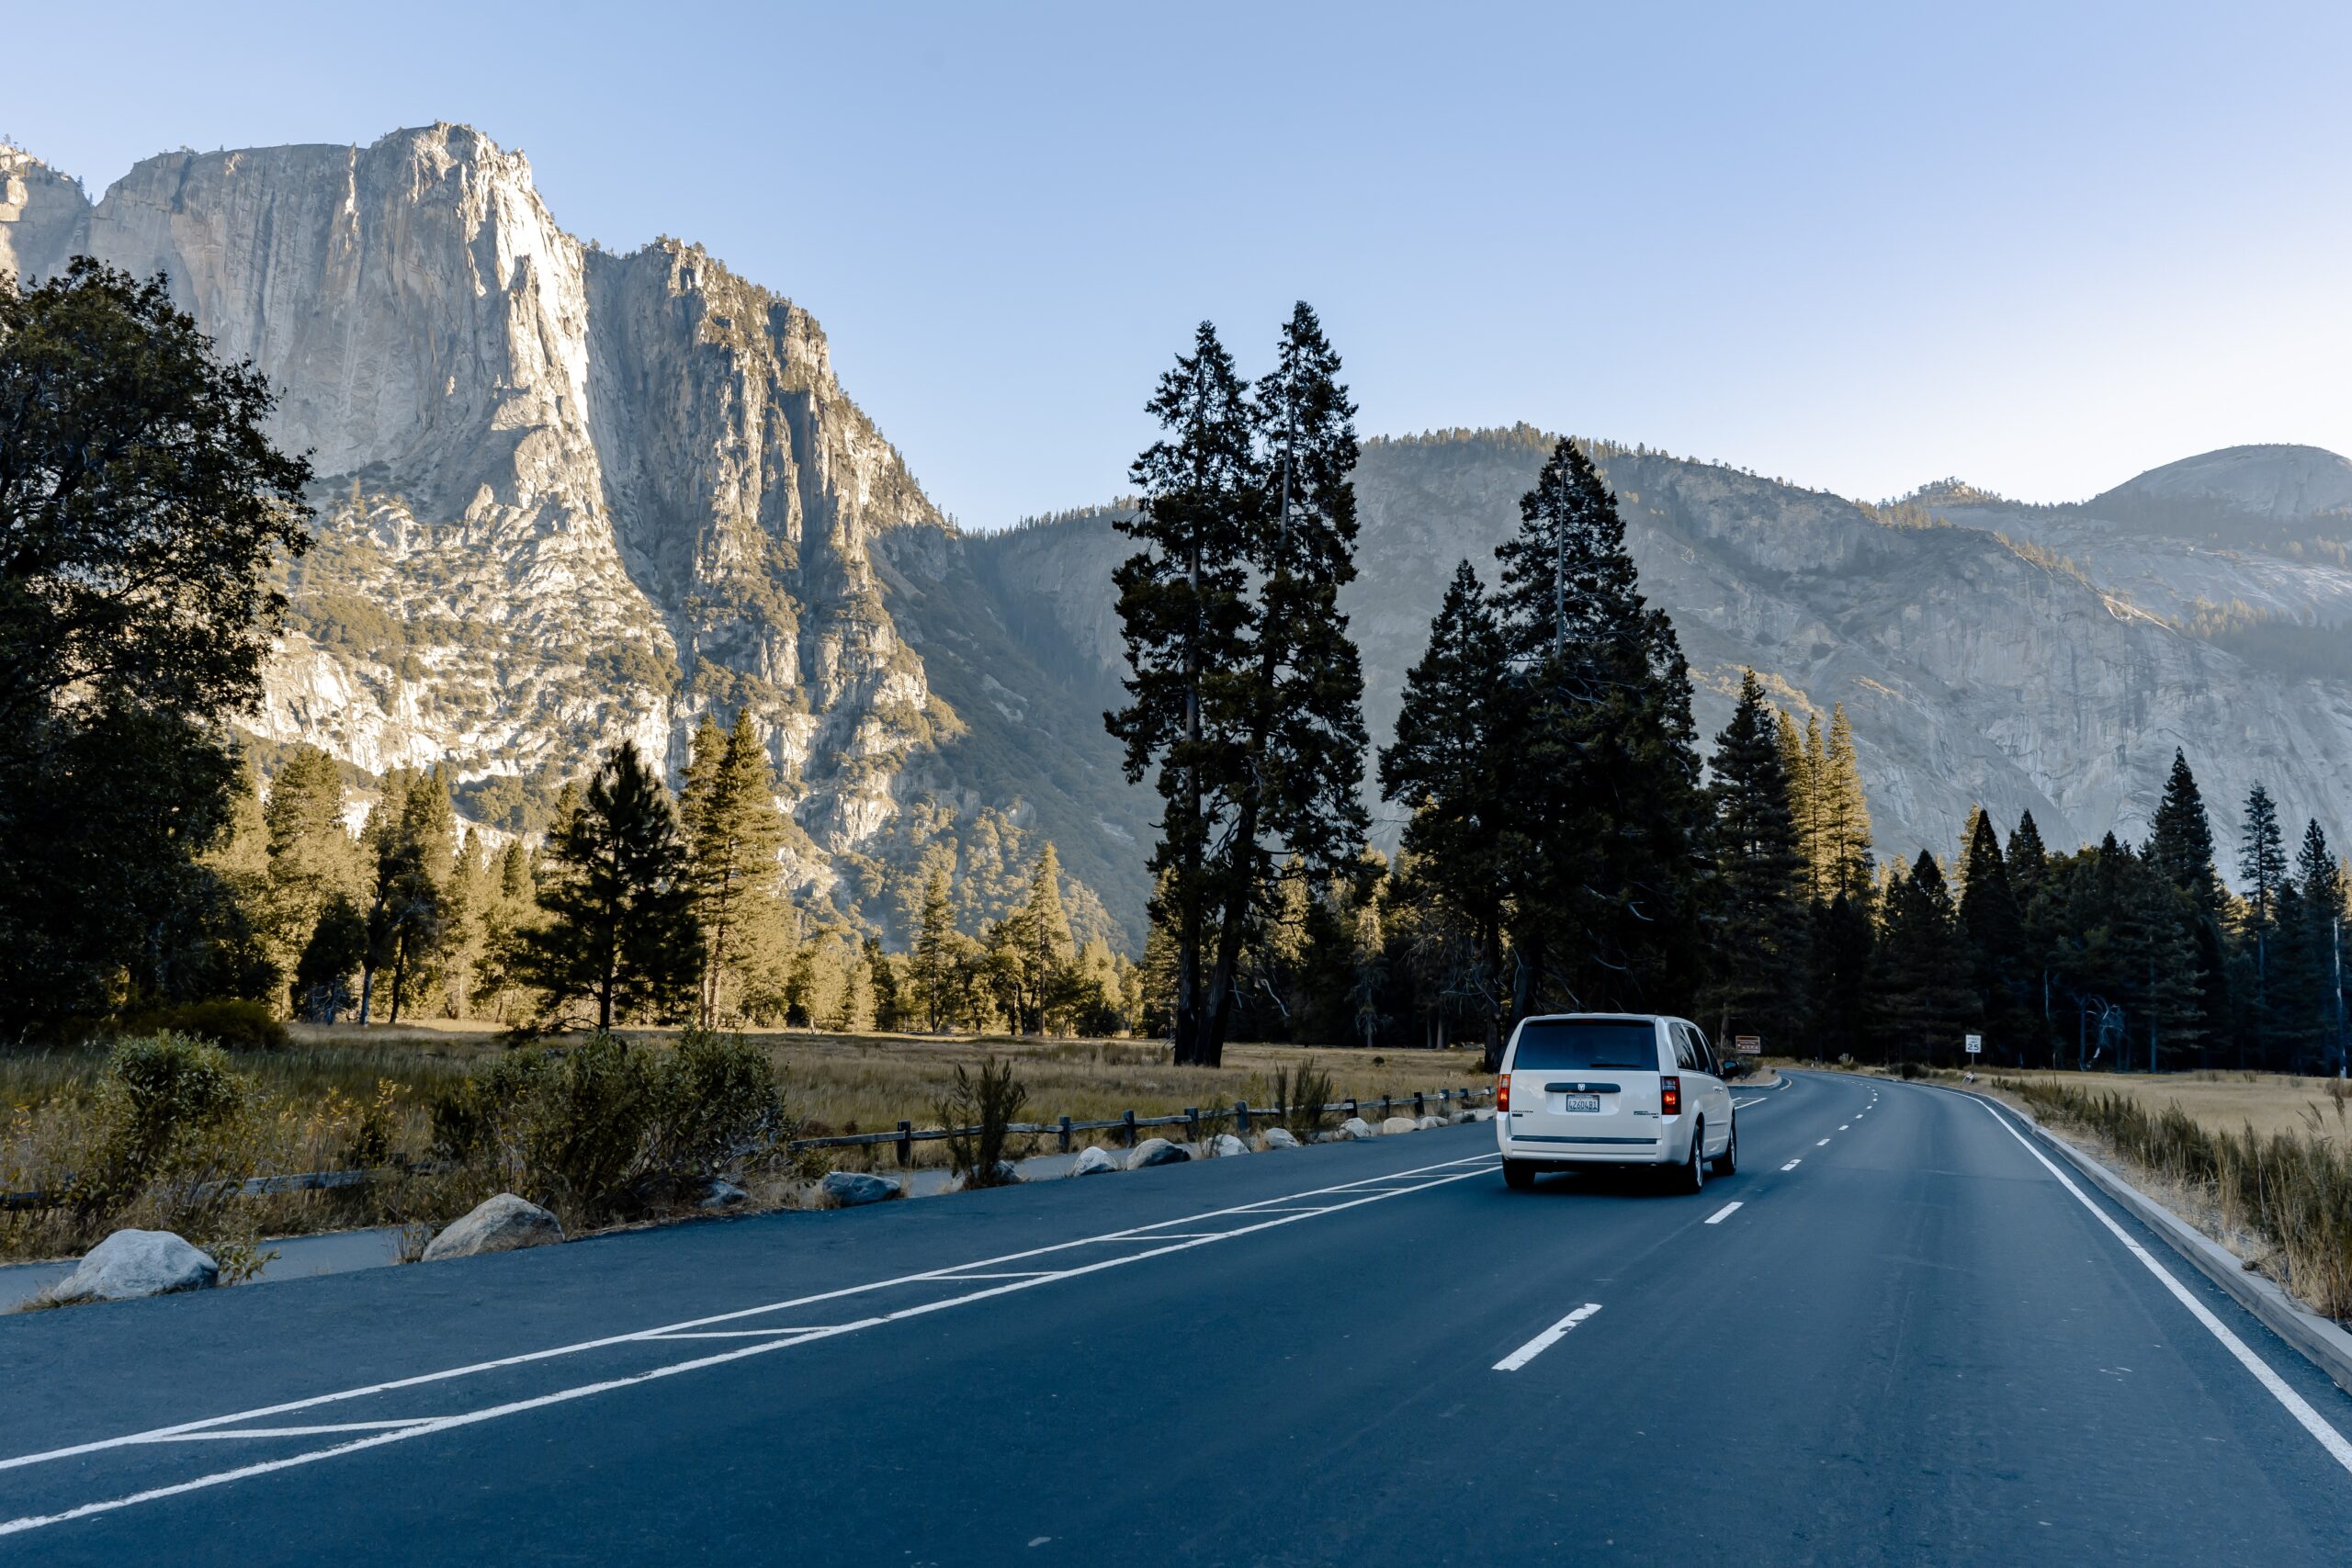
(2282, 484)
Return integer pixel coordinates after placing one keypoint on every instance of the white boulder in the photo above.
(722, 1195)
(1093, 1162)
(848, 1189)
(1224, 1144)
(1399, 1124)
(1426, 1122)
(1277, 1138)
(129, 1263)
(1484, 1113)
(1356, 1127)
(1158, 1151)
(496, 1224)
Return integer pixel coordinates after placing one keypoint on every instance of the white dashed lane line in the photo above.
(1546, 1340)
(1794, 1164)
(1720, 1216)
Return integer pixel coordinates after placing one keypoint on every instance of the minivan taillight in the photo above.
(1502, 1092)
(1669, 1096)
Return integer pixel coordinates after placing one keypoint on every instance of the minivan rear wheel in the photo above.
(1693, 1174)
(1518, 1176)
(1728, 1161)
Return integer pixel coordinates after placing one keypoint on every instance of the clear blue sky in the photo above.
(2041, 247)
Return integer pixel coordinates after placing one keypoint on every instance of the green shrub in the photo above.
(174, 1131)
(978, 1113)
(239, 1024)
(602, 1130)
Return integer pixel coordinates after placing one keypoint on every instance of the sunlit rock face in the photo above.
(567, 496)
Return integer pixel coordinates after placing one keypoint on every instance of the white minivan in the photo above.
(1586, 1089)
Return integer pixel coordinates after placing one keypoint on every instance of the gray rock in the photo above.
(1277, 1138)
(1007, 1175)
(129, 1264)
(1223, 1146)
(1400, 1124)
(722, 1195)
(1093, 1162)
(1484, 1113)
(496, 1224)
(1331, 1135)
(848, 1189)
(1158, 1151)
(1357, 1127)
(1457, 1118)
(1425, 1122)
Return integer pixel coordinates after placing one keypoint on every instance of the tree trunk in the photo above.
(1490, 975)
(366, 991)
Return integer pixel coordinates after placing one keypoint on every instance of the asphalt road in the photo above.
(1909, 1343)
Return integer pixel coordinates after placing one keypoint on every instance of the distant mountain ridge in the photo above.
(570, 495)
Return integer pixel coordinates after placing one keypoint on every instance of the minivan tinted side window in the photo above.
(1708, 1061)
(1685, 1053)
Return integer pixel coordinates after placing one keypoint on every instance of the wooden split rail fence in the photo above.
(902, 1140)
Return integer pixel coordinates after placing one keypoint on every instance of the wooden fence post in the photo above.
(906, 1144)
(1130, 1119)
(1242, 1116)
(1065, 1135)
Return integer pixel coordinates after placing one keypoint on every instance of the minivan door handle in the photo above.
(1581, 1088)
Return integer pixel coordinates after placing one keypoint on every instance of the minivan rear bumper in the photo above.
(1670, 1144)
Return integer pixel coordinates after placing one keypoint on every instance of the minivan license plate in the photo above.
(1584, 1102)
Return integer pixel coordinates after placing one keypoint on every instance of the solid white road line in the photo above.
(426, 1427)
(2313, 1422)
(1546, 1340)
(1794, 1164)
(293, 1431)
(1720, 1216)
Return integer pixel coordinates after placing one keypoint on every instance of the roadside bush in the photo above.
(1301, 1092)
(169, 1135)
(977, 1115)
(238, 1024)
(601, 1130)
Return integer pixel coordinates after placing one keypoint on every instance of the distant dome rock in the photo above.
(1950, 492)
(2276, 483)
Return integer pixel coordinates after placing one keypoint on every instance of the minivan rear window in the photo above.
(1548, 1045)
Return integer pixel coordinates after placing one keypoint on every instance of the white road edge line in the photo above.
(446, 1423)
(2312, 1421)
(1720, 1216)
(1546, 1340)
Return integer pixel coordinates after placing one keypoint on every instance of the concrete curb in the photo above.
(2320, 1341)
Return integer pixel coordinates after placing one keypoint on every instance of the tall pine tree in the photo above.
(1246, 688)
(1761, 915)
(620, 934)
(1604, 819)
(1448, 767)
(733, 832)
(2262, 867)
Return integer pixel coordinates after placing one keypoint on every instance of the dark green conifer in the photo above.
(1448, 767)
(1759, 919)
(1604, 820)
(620, 934)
